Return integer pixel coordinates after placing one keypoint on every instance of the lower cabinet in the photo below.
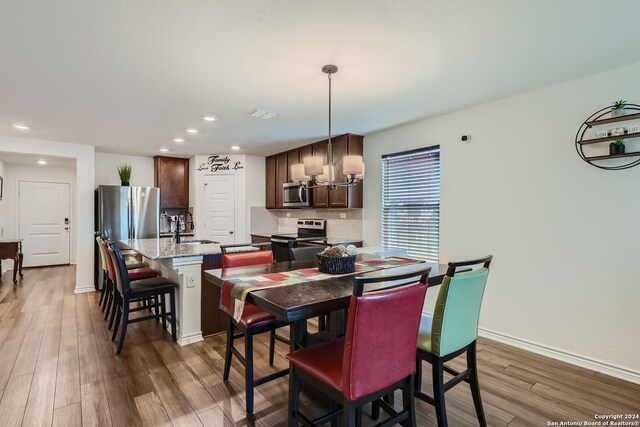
(213, 320)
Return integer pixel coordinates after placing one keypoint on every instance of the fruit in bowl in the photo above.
(339, 251)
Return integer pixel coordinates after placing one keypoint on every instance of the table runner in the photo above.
(234, 291)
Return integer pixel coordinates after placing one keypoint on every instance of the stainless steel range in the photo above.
(306, 228)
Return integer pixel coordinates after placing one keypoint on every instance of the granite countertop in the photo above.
(169, 234)
(166, 248)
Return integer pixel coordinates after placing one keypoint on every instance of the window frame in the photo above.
(383, 178)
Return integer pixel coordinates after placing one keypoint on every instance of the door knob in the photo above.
(66, 228)
(231, 232)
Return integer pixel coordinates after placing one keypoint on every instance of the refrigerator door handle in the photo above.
(132, 210)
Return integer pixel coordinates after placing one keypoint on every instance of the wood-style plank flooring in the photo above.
(57, 367)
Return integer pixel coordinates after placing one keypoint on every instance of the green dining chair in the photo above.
(452, 331)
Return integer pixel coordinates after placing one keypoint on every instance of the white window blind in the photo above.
(411, 202)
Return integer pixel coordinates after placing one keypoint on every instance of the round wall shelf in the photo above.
(604, 117)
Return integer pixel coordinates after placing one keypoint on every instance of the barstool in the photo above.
(253, 322)
(139, 291)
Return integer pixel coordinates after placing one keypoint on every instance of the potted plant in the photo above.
(617, 109)
(616, 147)
(124, 170)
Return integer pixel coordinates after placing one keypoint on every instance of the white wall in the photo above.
(564, 234)
(106, 171)
(84, 155)
(9, 212)
(3, 203)
(250, 191)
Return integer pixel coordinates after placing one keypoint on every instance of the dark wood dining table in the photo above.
(302, 301)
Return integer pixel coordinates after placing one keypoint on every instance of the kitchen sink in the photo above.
(197, 242)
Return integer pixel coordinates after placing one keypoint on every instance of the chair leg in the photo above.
(114, 309)
(248, 370)
(348, 414)
(102, 290)
(272, 346)
(475, 385)
(294, 396)
(115, 327)
(107, 297)
(174, 330)
(163, 309)
(418, 378)
(409, 402)
(322, 323)
(110, 302)
(125, 322)
(228, 353)
(438, 391)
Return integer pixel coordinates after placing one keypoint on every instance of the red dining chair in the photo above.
(253, 321)
(372, 360)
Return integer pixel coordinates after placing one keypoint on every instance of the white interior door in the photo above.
(220, 208)
(44, 222)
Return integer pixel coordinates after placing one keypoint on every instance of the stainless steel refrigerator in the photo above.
(128, 212)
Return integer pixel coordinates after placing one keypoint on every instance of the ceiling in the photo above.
(129, 76)
(32, 160)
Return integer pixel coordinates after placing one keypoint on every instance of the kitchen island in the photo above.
(183, 264)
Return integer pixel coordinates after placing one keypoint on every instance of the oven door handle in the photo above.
(280, 241)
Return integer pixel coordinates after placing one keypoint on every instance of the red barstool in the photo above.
(253, 321)
(372, 360)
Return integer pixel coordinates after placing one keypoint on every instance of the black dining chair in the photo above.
(140, 291)
(313, 246)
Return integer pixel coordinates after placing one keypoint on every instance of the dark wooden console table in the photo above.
(12, 249)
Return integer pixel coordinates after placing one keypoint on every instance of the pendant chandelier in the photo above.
(315, 173)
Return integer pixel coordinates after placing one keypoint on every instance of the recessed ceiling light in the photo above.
(208, 118)
(164, 150)
(20, 126)
(178, 140)
(192, 130)
(42, 162)
(235, 147)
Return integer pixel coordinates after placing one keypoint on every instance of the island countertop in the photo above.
(160, 248)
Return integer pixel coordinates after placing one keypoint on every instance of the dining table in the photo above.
(296, 303)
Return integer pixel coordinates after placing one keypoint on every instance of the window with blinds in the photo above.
(411, 202)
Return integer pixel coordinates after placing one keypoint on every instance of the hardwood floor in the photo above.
(57, 367)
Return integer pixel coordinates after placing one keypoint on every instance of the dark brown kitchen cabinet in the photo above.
(281, 177)
(320, 195)
(270, 182)
(293, 157)
(278, 171)
(172, 177)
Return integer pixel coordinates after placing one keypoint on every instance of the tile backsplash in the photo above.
(267, 220)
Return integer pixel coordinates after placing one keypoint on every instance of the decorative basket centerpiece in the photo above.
(337, 260)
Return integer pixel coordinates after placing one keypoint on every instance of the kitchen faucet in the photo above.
(177, 235)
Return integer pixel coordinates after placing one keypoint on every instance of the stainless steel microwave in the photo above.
(296, 196)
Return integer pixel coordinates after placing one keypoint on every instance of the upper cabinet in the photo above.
(278, 171)
(270, 182)
(172, 177)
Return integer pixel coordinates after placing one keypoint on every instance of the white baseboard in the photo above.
(189, 339)
(83, 289)
(564, 356)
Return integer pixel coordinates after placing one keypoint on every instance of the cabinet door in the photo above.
(281, 177)
(293, 157)
(172, 177)
(355, 147)
(338, 196)
(320, 195)
(270, 182)
(306, 151)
